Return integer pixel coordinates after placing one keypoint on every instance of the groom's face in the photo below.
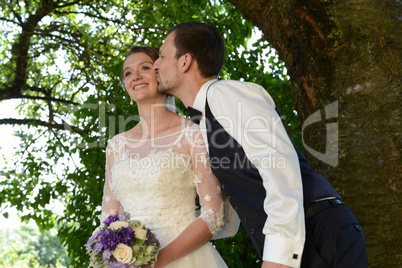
(166, 67)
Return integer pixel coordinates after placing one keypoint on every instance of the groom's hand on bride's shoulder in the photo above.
(267, 264)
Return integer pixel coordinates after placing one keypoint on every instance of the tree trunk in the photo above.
(344, 59)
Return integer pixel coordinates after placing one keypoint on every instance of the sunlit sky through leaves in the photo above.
(9, 142)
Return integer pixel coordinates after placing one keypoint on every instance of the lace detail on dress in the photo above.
(156, 181)
(213, 219)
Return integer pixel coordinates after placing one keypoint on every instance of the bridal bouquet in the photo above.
(122, 243)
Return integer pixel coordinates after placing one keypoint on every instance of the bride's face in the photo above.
(139, 77)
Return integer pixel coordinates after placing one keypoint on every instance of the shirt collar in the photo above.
(199, 102)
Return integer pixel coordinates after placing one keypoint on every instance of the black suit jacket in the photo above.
(243, 185)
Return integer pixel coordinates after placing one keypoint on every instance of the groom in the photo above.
(255, 160)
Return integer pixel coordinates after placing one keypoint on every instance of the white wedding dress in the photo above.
(157, 181)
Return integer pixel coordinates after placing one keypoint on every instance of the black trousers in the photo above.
(334, 239)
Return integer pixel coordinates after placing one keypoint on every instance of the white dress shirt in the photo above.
(247, 112)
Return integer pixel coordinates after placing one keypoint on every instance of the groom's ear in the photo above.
(185, 62)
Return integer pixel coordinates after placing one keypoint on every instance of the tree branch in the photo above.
(21, 47)
(10, 21)
(36, 122)
(9, 97)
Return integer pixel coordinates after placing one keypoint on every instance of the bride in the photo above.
(155, 170)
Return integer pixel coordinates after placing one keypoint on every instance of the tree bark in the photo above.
(344, 59)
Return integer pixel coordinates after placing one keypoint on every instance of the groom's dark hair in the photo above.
(203, 42)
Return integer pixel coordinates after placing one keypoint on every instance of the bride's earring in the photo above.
(131, 102)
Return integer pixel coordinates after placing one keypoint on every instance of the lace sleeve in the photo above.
(208, 187)
(110, 204)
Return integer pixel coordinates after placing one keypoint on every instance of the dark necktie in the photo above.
(194, 114)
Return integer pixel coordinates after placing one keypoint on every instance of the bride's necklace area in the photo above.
(161, 134)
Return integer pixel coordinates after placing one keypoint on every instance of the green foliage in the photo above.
(63, 61)
(27, 247)
(238, 251)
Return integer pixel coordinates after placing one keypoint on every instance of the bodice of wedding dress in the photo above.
(157, 180)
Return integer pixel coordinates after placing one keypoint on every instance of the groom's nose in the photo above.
(156, 65)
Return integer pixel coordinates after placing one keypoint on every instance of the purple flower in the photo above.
(107, 263)
(98, 247)
(92, 239)
(151, 239)
(107, 254)
(117, 265)
(109, 239)
(124, 216)
(126, 235)
(110, 219)
(88, 247)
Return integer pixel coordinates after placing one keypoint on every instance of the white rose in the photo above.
(141, 233)
(123, 253)
(118, 224)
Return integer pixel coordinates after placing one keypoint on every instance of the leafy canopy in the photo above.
(61, 59)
